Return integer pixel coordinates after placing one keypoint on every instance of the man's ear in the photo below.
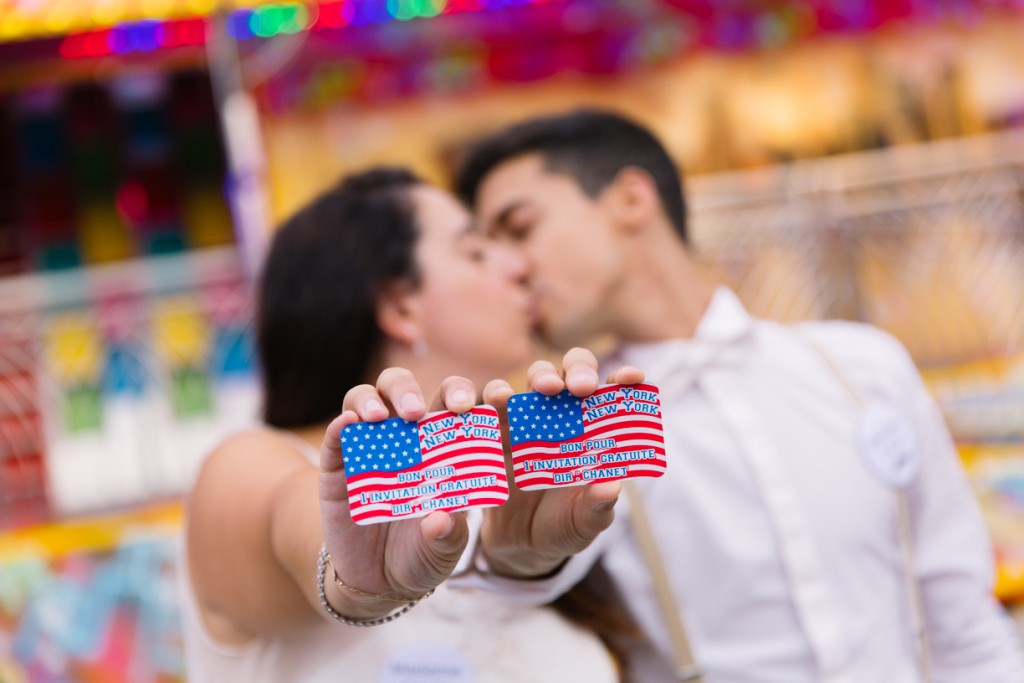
(397, 313)
(632, 199)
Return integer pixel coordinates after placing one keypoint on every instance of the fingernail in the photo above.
(460, 396)
(375, 407)
(410, 402)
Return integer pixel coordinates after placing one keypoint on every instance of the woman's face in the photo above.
(472, 304)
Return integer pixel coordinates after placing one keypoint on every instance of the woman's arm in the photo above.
(256, 522)
(253, 492)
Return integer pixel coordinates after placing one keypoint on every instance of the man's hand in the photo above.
(535, 532)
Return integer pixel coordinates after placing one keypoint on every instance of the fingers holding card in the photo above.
(398, 469)
(562, 440)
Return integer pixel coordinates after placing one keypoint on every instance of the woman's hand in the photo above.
(536, 531)
(403, 558)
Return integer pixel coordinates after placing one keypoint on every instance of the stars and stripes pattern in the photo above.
(563, 440)
(397, 469)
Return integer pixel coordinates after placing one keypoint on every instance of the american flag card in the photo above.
(399, 470)
(562, 440)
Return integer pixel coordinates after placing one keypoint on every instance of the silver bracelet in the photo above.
(321, 571)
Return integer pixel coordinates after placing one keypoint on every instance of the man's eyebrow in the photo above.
(505, 214)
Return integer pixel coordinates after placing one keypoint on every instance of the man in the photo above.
(797, 454)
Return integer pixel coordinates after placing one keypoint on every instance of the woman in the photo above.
(377, 273)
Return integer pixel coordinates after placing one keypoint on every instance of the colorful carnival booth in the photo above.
(858, 160)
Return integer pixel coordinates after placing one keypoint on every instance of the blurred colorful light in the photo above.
(335, 15)
(142, 36)
(27, 19)
(265, 21)
(132, 203)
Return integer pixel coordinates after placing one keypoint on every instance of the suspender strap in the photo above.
(905, 531)
(686, 667)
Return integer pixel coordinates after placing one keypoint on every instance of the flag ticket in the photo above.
(562, 440)
(399, 470)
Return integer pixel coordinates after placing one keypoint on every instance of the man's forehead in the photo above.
(507, 177)
(512, 188)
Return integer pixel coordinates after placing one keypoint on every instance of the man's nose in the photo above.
(514, 262)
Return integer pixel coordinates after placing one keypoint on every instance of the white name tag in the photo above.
(887, 443)
(426, 663)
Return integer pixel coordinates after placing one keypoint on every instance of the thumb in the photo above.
(595, 510)
(440, 540)
(445, 534)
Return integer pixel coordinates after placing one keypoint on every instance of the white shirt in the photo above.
(781, 547)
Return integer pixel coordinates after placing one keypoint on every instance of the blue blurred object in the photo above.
(125, 371)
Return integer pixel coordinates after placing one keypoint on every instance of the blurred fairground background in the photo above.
(859, 159)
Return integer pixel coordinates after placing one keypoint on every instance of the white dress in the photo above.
(454, 636)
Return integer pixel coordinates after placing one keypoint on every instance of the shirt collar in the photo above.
(724, 331)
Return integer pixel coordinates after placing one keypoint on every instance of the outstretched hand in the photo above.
(405, 558)
(535, 532)
(531, 535)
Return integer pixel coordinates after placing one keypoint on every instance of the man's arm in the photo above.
(536, 590)
(541, 543)
(970, 638)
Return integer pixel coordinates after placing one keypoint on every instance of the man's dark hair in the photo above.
(317, 331)
(591, 146)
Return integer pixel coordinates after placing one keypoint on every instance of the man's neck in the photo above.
(664, 297)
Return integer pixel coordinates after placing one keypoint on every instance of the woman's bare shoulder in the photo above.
(245, 468)
(255, 449)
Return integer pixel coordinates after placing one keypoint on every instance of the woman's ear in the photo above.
(397, 313)
(632, 199)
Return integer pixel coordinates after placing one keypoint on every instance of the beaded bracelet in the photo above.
(321, 571)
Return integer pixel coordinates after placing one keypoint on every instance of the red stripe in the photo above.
(432, 462)
(623, 443)
(463, 465)
(356, 502)
(441, 494)
(597, 432)
(385, 516)
(480, 446)
(497, 488)
(659, 453)
(603, 422)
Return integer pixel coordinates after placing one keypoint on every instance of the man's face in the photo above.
(568, 239)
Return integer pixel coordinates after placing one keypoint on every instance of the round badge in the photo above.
(426, 663)
(887, 443)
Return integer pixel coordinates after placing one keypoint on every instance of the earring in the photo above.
(419, 348)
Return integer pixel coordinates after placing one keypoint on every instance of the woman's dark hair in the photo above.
(317, 331)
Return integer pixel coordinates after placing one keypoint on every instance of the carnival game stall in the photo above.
(854, 160)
